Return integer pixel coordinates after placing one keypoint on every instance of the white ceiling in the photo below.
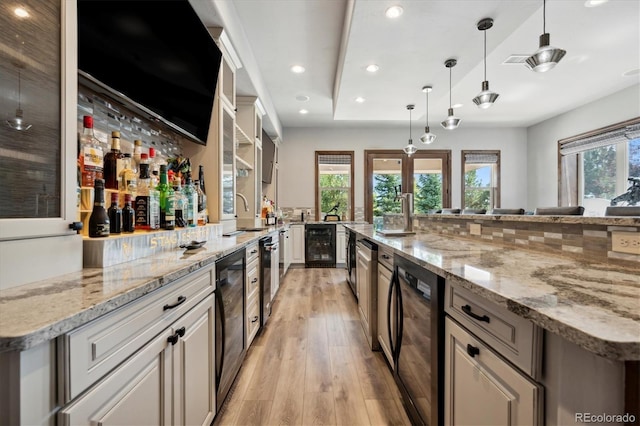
(336, 39)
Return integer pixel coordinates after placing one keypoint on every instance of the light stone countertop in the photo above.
(40, 311)
(594, 305)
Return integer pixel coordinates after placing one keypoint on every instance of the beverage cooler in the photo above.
(320, 245)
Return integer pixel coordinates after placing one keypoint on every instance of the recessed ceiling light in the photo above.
(457, 106)
(594, 3)
(298, 69)
(21, 12)
(303, 111)
(631, 72)
(393, 12)
(360, 99)
(372, 68)
(302, 98)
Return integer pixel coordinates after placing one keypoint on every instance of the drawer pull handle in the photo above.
(467, 310)
(255, 280)
(254, 251)
(255, 319)
(178, 334)
(180, 301)
(386, 256)
(472, 351)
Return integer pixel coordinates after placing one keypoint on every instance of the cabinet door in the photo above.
(193, 374)
(341, 245)
(384, 282)
(363, 278)
(481, 388)
(297, 234)
(228, 176)
(136, 393)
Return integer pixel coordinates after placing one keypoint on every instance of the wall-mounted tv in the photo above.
(158, 54)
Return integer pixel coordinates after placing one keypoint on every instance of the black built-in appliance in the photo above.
(230, 314)
(268, 249)
(155, 57)
(351, 261)
(320, 245)
(416, 334)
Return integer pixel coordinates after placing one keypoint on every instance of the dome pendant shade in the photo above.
(546, 57)
(451, 122)
(427, 138)
(18, 122)
(486, 98)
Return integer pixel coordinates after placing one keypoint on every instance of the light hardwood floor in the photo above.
(311, 364)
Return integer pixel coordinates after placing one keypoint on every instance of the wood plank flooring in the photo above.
(311, 364)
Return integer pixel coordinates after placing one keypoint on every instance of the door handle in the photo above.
(467, 310)
(472, 350)
(180, 301)
(255, 319)
(389, 295)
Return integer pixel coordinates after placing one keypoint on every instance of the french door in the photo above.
(425, 174)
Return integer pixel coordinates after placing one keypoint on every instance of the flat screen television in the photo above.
(157, 54)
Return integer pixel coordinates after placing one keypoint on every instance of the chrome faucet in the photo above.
(244, 199)
(406, 198)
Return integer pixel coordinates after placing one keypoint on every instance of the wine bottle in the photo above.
(192, 197)
(115, 215)
(128, 215)
(99, 220)
(113, 162)
(167, 200)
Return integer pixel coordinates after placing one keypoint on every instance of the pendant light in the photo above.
(486, 98)
(411, 148)
(18, 123)
(547, 56)
(428, 137)
(452, 121)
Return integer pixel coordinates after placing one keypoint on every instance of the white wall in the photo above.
(297, 159)
(542, 139)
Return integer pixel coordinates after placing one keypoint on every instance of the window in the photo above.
(426, 174)
(595, 167)
(334, 189)
(480, 179)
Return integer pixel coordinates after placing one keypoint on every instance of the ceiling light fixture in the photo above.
(452, 121)
(594, 3)
(304, 111)
(21, 12)
(18, 123)
(302, 98)
(394, 12)
(360, 99)
(485, 98)
(298, 69)
(373, 68)
(547, 56)
(428, 137)
(410, 148)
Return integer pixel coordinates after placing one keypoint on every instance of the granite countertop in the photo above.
(594, 305)
(40, 311)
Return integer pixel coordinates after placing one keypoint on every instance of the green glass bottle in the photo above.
(167, 201)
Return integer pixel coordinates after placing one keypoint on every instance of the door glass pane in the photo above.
(427, 185)
(387, 176)
(30, 76)
(228, 175)
(334, 185)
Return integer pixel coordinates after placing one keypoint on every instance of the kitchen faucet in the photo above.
(244, 199)
(406, 198)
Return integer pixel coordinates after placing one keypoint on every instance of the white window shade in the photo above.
(480, 158)
(612, 137)
(334, 159)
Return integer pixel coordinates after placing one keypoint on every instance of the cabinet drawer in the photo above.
(253, 278)
(253, 252)
(94, 349)
(514, 337)
(385, 256)
(253, 319)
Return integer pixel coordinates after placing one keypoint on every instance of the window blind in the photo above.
(612, 137)
(480, 158)
(334, 159)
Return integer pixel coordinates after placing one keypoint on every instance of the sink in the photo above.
(394, 232)
(252, 229)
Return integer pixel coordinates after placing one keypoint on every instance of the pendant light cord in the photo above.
(19, 90)
(449, 87)
(409, 125)
(427, 105)
(544, 16)
(485, 55)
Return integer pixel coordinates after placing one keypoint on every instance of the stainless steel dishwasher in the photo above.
(367, 288)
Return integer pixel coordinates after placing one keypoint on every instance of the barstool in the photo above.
(474, 211)
(560, 211)
(450, 211)
(622, 211)
(507, 211)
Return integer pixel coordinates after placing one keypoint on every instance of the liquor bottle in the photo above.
(191, 194)
(91, 154)
(154, 169)
(201, 178)
(128, 215)
(99, 220)
(127, 179)
(113, 162)
(167, 200)
(181, 203)
(147, 200)
(137, 156)
(115, 215)
(201, 217)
